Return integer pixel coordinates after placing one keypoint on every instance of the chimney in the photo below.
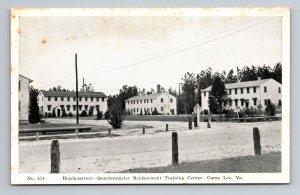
(258, 78)
(158, 88)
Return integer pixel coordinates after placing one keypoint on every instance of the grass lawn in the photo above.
(266, 163)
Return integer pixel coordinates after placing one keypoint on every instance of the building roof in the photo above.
(72, 94)
(147, 96)
(26, 78)
(242, 84)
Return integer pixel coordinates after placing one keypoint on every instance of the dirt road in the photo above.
(122, 153)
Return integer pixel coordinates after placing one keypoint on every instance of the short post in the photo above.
(195, 121)
(167, 127)
(209, 121)
(144, 130)
(190, 123)
(37, 138)
(109, 132)
(256, 139)
(174, 149)
(76, 133)
(55, 157)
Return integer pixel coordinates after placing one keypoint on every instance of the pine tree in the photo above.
(34, 111)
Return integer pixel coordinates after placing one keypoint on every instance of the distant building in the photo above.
(248, 93)
(24, 98)
(59, 101)
(164, 103)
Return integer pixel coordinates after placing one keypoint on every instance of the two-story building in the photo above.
(164, 103)
(248, 93)
(65, 101)
(23, 98)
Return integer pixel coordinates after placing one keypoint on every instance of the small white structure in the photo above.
(24, 98)
(248, 94)
(59, 101)
(164, 103)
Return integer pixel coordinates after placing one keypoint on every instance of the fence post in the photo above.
(167, 127)
(256, 139)
(76, 133)
(190, 123)
(174, 149)
(55, 157)
(209, 121)
(143, 129)
(109, 132)
(195, 121)
(37, 138)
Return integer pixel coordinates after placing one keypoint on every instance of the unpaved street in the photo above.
(116, 154)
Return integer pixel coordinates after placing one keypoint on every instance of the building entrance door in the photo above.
(58, 112)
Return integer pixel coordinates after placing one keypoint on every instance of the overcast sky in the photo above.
(142, 51)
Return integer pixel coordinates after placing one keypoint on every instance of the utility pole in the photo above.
(179, 102)
(77, 107)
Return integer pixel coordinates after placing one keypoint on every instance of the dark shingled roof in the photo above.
(244, 84)
(72, 94)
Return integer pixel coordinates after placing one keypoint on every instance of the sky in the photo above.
(142, 51)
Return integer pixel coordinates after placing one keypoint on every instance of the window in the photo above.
(141, 101)
(230, 102)
(204, 93)
(92, 99)
(242, 102)
(97, 108)
(74, 107)
(68, 99)
(128, 102)
(161, 100)
(235, 91)
(38, 98)
(86, 107)
(248, 90)
(133, 109)
(19, 85)
(265, 89)
(19, 105)
(55, 99)
(151, 100)
(97, 99)
(86, 99)
(171, 100)
(49, 99)
(162, 109)
(229, 91)
(236, 102)
(242, 90)
(80, 99)
(80, 107)
(103, 99)
(137, 109)
(137, 101)
(62, 98)
(254, 89)
(147, 101)
(279, 89)
(49, 107)
(74, 98)
(254, 102)
(266, 102)
(68, 107)
(279, 102)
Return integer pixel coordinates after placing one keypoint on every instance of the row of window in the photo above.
(147, 101)
(246, 102)
(74, 99)
(74, 107)
(144, 109)
(229, 91)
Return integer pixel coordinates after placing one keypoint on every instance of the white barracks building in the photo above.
(248, 93)
(57, 101)
(164, 103)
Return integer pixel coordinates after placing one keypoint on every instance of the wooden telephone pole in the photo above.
(77, 107)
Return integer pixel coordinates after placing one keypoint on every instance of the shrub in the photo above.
(117, 115)
(49, 115)
(141, 113)
(99, 115)
(155, 112)
(205, 112)
(64, 114)
(83, 114)
(270, 108)
(230, 113)
(106, 114)
(53, 113)
(70, 114)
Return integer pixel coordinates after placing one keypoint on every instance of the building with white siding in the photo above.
(164, 103)
(24, 98)
(59, 101)
(248, 94)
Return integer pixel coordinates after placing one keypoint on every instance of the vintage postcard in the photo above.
(150, 96)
